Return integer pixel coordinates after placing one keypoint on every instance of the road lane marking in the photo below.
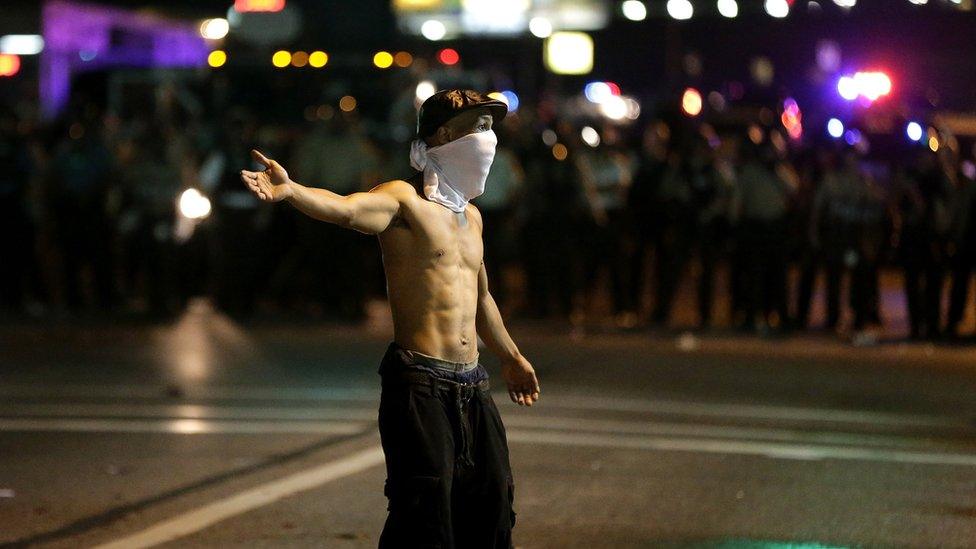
(328, 421)
(361, 393)
(717, 431)
(569, 402)
(225, 418)
(181, 426)
(753, 411)
(198, 411)
(202, 517)
(769, 449)
(370, 395)
(587, 402)
(222, 418)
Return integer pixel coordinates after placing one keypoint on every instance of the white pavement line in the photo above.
(202, 418)
(202, 517)
(756, 411)
(767, 449)
(179, 426)
(243, 392)
(639, 427)
(271, 421)
(560, 401)
(308, 419)
(198, 411)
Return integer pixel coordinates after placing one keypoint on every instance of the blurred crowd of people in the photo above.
(583, 220)
(660, 210)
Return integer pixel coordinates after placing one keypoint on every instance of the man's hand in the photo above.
(271, 185)
(523, 387)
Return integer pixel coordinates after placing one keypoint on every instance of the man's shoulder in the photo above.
(406, 195)
(474, 212)
(398, 188)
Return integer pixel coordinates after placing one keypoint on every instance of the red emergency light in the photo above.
(448, 56)
(243, 6)
(9, 64)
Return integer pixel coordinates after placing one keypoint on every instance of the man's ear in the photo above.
(443, 135)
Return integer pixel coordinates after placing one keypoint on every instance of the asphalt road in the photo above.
(205, 433)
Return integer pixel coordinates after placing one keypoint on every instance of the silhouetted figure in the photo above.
(646, 210)
(921, 191)
(606, 175)
(552, 210)
(17, 249)
(763, 199)
(962, 244)
(79, 180)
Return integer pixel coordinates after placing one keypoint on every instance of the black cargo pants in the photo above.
(449, 482)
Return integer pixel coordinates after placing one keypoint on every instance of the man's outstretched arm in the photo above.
(523, 387)
(369, 212)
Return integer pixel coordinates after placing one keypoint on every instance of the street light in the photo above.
(680, 9)
(728, 8)
(540, 27)
(635, 10)
(433, 29)
(569, 53)
(835, 128)
(914, 131)
(691, 102)
(214, 29)
(777, 8)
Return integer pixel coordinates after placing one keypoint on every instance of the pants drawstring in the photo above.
(463, 453)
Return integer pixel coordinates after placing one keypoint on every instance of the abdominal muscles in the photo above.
(434, 307)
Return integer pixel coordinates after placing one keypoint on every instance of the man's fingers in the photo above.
(257, 189)
(516, 396)
(258, 157)
(253, 185)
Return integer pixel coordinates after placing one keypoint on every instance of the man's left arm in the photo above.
(523, 387)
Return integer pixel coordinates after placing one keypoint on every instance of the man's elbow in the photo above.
(485, 301)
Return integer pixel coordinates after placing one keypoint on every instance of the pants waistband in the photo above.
(416, 377)
(414, 357)
(397, 362)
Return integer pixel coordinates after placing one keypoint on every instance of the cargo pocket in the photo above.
(415, 503)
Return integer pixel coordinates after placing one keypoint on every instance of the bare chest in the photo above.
(450, 239)
(437, 238)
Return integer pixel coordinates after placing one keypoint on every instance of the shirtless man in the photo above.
(449, 482)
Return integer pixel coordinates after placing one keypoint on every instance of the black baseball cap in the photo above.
(446, 104)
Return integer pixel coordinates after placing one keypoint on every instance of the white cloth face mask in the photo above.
(455, 172)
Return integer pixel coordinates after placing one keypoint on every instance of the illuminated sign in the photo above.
(243, 6)
(440, 19)
(21, 44)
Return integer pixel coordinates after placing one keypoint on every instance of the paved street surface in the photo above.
(205, 433)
